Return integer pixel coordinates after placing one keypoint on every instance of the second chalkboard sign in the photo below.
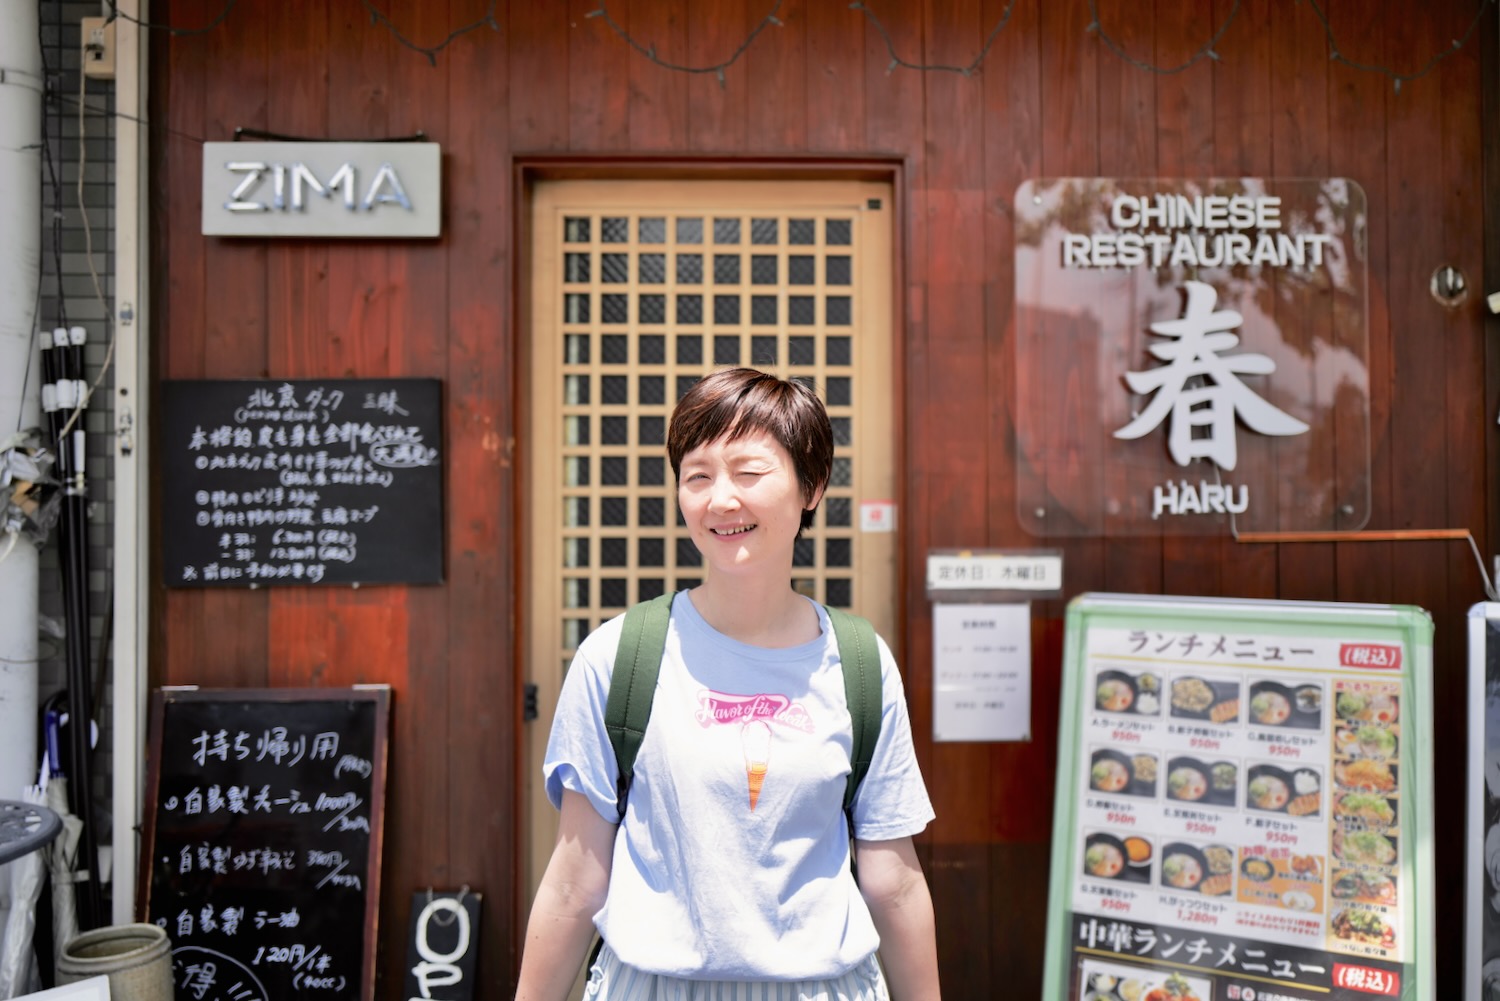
(330, 481)
(261, 849)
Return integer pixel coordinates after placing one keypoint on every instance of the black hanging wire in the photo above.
(1204, 52)
(898, 63)
(1398, 78)
(431, 51)
(649, 51)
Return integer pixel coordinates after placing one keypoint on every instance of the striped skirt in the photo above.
(612, 980)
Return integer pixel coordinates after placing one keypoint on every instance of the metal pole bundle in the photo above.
(65, 398)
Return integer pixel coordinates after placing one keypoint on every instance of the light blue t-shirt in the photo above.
(732, 862)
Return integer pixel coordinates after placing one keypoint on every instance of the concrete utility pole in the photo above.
(21, 88)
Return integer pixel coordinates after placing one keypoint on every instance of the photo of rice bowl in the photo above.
(1257, 869)
(1355, 924)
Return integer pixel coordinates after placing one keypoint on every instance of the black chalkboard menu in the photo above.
(311, 481)
(263, 831)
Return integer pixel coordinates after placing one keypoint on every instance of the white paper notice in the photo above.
(981, 671)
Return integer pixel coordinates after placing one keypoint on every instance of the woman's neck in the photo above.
(755, 612)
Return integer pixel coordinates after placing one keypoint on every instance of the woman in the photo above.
(731, 863)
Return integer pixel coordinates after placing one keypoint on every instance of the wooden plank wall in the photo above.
(1051, 99)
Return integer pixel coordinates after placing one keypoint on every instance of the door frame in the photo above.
(526, 171)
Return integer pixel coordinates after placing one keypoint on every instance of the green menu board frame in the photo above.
(1307, 873)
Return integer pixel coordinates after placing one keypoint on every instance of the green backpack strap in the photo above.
(632, 687)
(861, 662)
(632, 684)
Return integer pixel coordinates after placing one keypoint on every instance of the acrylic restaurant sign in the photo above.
(323, 189)
(1242, 802)
(1190, 354)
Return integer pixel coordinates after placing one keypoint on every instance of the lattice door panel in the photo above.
(640, 289)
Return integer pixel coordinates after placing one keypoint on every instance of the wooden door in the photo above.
(640, 288)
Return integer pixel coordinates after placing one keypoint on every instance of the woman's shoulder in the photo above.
(596, 654)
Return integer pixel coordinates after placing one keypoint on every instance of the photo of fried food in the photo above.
(1225, 712)
(1305, 806)
(1366, 773)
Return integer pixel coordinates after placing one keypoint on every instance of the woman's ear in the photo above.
(817, 496)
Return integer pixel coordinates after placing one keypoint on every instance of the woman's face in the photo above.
(742, 503)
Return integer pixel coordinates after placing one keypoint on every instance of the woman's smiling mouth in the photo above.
(741, 530)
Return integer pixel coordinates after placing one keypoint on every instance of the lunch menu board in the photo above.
(1240, 802)
(1481, 978)
(322, 481)
(261, 851)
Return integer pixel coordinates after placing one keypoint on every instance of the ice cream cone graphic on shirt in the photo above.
(755, 738)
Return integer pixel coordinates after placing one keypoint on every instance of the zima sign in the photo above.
(322, 189)
(1191, 356)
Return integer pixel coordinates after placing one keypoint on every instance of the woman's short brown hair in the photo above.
(732, 403)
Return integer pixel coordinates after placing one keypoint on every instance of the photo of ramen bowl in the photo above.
(1366, 809)
(1187, 779)
(1104, 856)
(1367, 707)
(1195, 698)
(1183, 866)
(1113, 771)
(1257, 869)
(1269, 788)
(1375, 741)
(1364, 847)
(1271, 703)
(1114, 692)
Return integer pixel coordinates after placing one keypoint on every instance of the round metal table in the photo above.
(25, 827)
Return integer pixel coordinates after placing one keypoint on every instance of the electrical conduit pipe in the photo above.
(20, 259)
